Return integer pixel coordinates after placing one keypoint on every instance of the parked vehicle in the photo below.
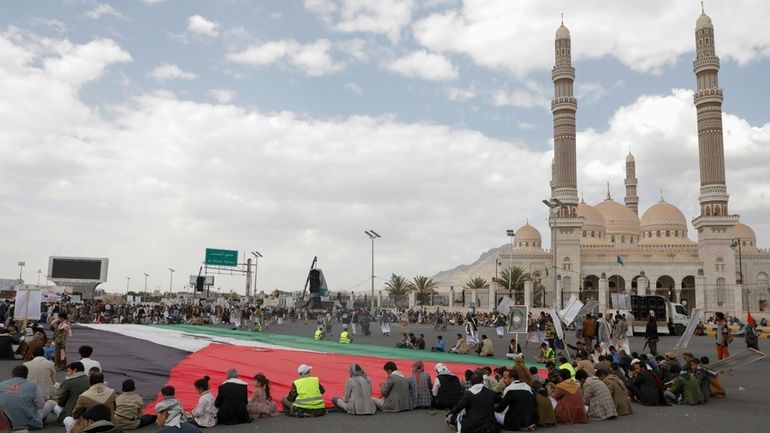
(672, 318)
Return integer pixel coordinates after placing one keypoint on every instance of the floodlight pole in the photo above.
(256, 255)
(171, 282)
(512, 234)
(372, 235)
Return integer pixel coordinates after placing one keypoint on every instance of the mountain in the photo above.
(483, 267)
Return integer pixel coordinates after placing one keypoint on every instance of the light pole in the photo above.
(372, 235)
(498, 262)
(145, 281)
(512, 234)
(256, 255)
(554, 205)
(171, 282)
(21, 271)
(128, 282)
(38, 277)
(733, 243)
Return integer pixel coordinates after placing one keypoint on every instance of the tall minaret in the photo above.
(631, 199)
(708, 101)
(563, 107)
(565, 223)
(715, 226)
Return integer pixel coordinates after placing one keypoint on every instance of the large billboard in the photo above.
(219, 257)
(85, 269)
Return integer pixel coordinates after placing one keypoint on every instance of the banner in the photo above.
(740, 359)
(28, 299)
(684, 340)
(518, 319)
(505, 305)
(557, 324)
(571, 311)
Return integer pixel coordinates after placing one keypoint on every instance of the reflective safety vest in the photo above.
(548, 354)
(318, 335)
(344, 337)
(568, 366)
(308, 393)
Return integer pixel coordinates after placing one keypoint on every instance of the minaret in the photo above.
(715, 226)
(563, 107)
(631, 199)
(708, 101)
(564, 221)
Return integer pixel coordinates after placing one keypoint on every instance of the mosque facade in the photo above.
(603, 250)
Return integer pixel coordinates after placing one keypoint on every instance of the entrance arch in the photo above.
(617, 287)
(590, 289)
(687, 294)
(665, 286)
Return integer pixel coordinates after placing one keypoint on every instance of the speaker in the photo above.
(199, 282)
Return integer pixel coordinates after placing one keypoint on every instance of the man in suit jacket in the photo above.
(475, 413)
(42, 372)
(232, 399)
(396, 396)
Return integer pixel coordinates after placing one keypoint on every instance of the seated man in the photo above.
(42, 372)
(22, 400)
(597, 397)
(306, 395)
(439, 347)
(447, 389)
(461, 346)
(546, 354)
(97, 419)
(684, 389)
(485, 348)
(345, 335)
(319, 334)
(396, 396)
(518, 409)
(75, 383)
(475, 412)
(98, 393)
(6, 343)
(85, 358)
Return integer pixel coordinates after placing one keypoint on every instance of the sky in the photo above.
(148, 130)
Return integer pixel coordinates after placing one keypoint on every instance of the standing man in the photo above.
(604, 333)
(723, 337)
(589, 330)
(61, 332)
(651, 334)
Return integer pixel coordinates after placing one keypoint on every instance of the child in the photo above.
(205, 413)
(48, 350)
(261, 404)
(170, 411)
(439, 345)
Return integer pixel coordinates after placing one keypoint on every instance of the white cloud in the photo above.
(589, 92)
(354, 88)
(168, 71)
(200, 26)
(222, 96)
(461, 94)
(526, 126)
(532, 94)
(424, 65)
(53, 24)
(152, 2)
(103, 9)
(520, 39)
(386, 17)
(356, 48)
(313, 59)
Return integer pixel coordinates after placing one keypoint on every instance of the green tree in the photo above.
(423, 287)
(516, 276)
(477, 283)
(397, 287)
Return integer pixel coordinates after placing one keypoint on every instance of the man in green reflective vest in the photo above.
(319, 334)
(306, 396)
(344, 335)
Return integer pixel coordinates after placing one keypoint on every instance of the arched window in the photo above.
(657, 233)
(721, 291)
(668, 233)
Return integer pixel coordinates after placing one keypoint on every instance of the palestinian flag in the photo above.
(177, 355)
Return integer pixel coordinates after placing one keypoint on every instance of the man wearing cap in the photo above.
(345, 336)
(447, 389)
(306, 395)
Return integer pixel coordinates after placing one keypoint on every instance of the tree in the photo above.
(538, 295)
(397, 287)
(477, 283)
(424, 288)
(516, 276)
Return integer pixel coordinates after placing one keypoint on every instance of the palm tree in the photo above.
(424, 288)
(477, 283)
(516, 276)
(397, 287)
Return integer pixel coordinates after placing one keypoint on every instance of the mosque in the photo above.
(606, 249)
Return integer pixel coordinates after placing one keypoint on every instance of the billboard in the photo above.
(208, 282)
(219, 257)
(77, 269)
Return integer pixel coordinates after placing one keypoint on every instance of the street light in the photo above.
(554, 205)
(38, 277)
(171, 282)
(372, 235)
(145, 281)
(256, 255)
(512, 234)
(21, 269)
(128, 282)
(737, 242)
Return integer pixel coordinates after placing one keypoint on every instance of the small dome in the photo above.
(618, 219)
(704, 21)
(663, 216)
(592, 219)
(528, 237)
(630, 157)
(746, 235)
(562, 32)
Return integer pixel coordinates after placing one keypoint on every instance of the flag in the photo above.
(620, 261)
(751, 320)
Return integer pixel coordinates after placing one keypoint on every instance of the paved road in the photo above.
(744, 409)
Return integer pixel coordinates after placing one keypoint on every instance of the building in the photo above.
(607, 248)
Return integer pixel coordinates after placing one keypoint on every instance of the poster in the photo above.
(517, 323)
(505, 305)
(557, 324)
(28, 299)
(571, 311)
(684, 340)
(740, 359)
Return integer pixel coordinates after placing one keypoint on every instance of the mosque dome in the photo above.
(663, 223)
(630, 157)
(704, 21)
(593, 224)
(563, 32)
(527, 237)
(746, 235)
(619, 221)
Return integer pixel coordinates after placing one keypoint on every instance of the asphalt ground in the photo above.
(744, 409)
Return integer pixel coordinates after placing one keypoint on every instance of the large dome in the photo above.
(593, 224)
(527, 237)
(619, 221)
(746, 235)
(704, 21)
(664, 224)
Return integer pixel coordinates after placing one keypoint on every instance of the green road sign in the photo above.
(221, 257)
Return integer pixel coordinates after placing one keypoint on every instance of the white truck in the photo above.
(671, 318)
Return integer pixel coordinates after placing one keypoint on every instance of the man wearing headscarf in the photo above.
(447, 389)
(420, 386)
(358, 393)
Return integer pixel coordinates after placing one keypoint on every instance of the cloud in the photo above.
(423, 65)
(589, 92)
(168, 71)
(354, 88)
(222, 96)
(501, 37)
(355, 48)
(200, 26)
(103, 9)
(531, 95)
(313, 59)
(461, 94)
(153, 2)
(385, 17)
(53, 24)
